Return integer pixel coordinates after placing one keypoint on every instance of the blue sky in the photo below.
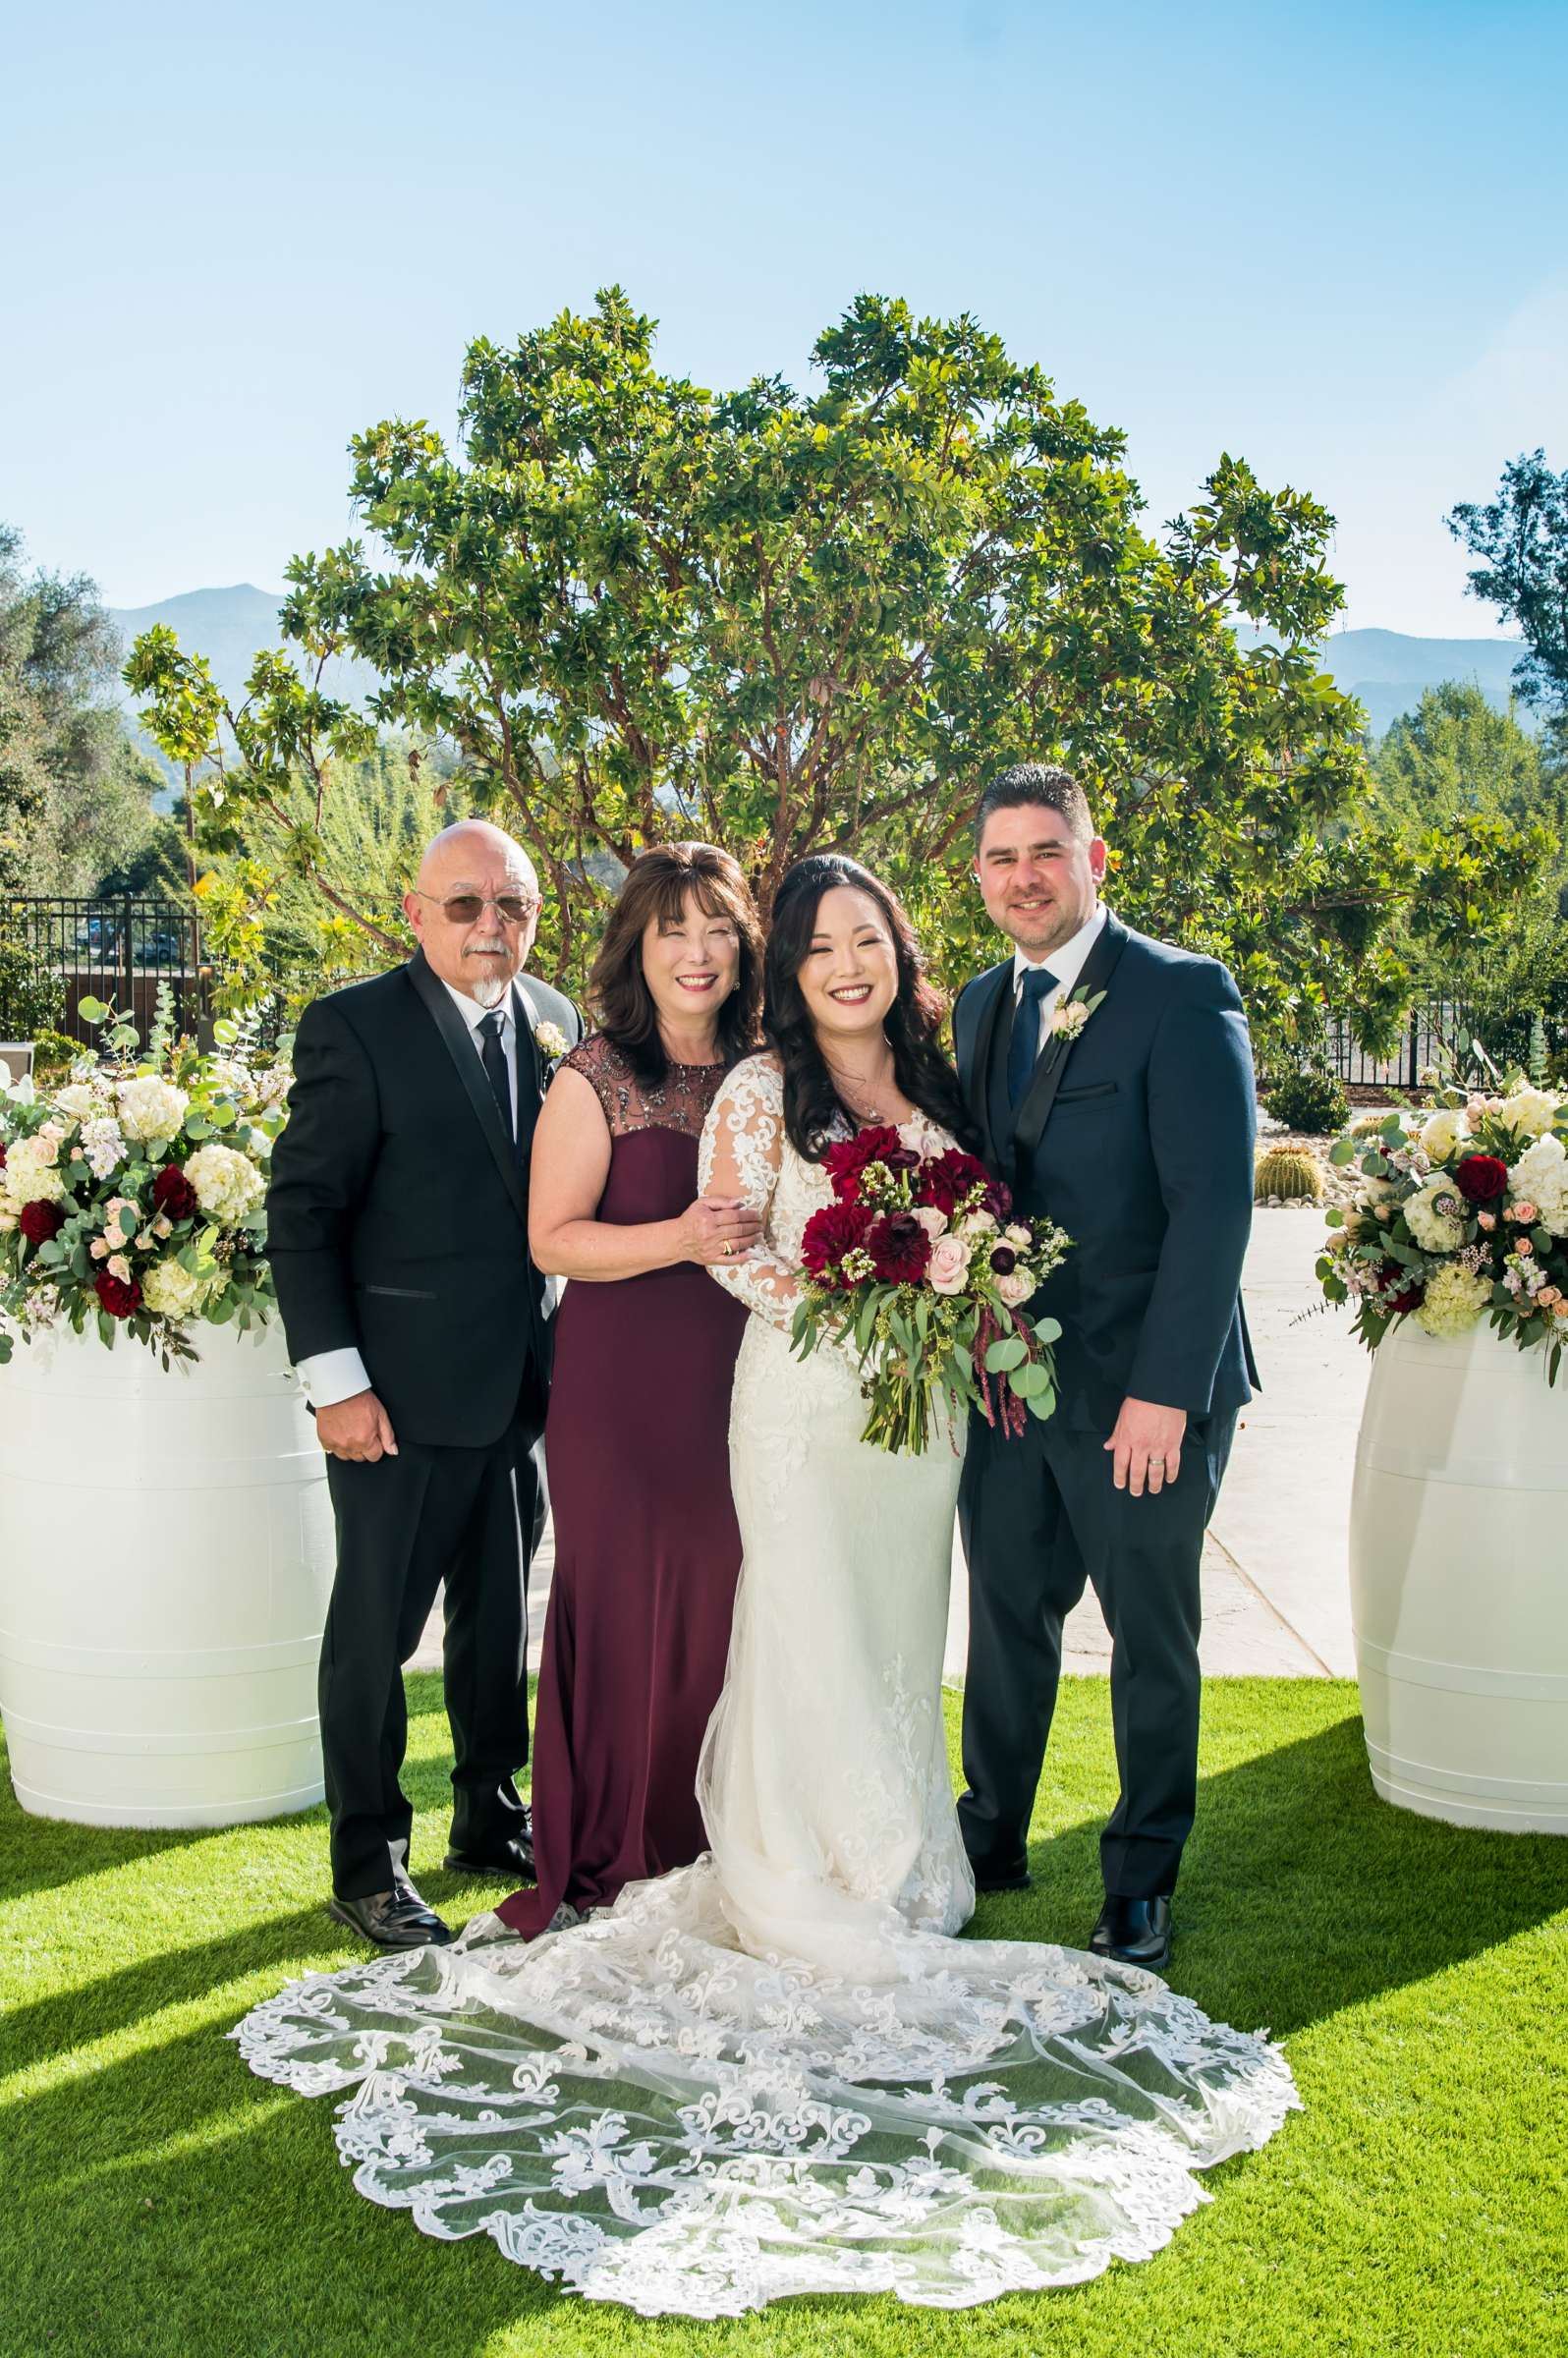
(1329, 237)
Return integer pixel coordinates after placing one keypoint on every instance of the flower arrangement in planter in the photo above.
(133, 1194)
(1461, 1214)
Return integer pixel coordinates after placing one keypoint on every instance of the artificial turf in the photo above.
(159, 2200)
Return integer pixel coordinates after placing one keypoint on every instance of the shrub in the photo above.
(54, 1053)
(1288, 1171)
(1313, 1102)
(32, 993)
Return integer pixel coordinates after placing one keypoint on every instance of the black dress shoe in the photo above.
(1135, 1932)
(513, 1859)
(990, 1875)
(395, 1919)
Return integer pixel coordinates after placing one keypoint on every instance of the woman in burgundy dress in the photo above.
(647, 1548)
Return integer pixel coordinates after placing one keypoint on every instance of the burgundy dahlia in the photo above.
(845, 1161)
(172, 1194)
(948, 1178)
(900, 1248)
(832, 1233)
(116, 1297)
(1481, 1178)
(40, 1221)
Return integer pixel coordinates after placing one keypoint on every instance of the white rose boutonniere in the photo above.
(1069, 1017)
(553, 1042)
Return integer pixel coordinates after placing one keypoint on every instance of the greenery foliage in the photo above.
(1310, 1101)
(32, 993)
(1522, 539)
(637, 608)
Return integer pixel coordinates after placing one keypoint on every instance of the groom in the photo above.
(397, 1226)
(1111, 1078)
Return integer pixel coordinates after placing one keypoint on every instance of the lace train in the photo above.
(655, 2117)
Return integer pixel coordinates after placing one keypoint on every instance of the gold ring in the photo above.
(728, 1250)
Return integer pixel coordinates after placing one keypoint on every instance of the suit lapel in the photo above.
(471, 1072)
(1041, 1095)
(977, 1090)
(529, 1065)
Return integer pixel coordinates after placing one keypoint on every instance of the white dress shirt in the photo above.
(1065, 963)
(329, 1377)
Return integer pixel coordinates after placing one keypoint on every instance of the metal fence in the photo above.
(1430, 1024)
(116, 950)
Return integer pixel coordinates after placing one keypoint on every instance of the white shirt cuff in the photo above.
(329, 1377)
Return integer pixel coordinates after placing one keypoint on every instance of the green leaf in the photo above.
(1342, 1151)
(91, 1011)
(867, 1322)
(1010, 1352)
(1048, 1330)
(1030, 1382)
(1041, 1404)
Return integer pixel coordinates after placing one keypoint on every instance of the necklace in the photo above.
(870, 1108)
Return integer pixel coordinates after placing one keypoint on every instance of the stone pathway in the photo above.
(1276, 1599)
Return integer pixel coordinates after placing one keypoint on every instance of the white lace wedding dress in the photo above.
(778, 2071)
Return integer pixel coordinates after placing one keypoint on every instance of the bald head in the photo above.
(476, 950)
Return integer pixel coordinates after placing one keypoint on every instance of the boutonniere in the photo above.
(1070, 1015)
(553, 1042)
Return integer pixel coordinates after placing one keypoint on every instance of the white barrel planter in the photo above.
(166, 1556)
(1459, 1580)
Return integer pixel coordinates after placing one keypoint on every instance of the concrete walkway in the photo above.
(1276, 1601)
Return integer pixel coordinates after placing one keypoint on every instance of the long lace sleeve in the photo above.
(740, 1157)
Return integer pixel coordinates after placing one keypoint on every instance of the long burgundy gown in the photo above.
(646, 1547)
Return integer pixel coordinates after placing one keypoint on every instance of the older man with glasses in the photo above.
(398, 1233)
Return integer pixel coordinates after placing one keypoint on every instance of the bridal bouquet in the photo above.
(1459, 1215)
(133, 1193)
(919, 1267)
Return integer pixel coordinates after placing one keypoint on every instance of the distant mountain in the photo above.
(230, 627)
(1388, 671)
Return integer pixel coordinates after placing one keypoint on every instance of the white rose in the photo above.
(977, 1223)
(1442, 1131)
(171, 1291)
(1018, 1237)
(1528, 1112)
(151, 1107)
(79, 1100)
(228, 1186)
(1013, 1287)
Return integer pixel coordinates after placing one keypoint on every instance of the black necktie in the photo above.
(1023, 1047)
(493, 1055)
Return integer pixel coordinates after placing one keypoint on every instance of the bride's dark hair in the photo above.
(922, 1072)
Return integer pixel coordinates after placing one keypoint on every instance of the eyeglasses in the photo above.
(466, 908)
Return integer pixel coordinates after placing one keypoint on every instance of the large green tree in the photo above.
(1522, 540)
(786, 621)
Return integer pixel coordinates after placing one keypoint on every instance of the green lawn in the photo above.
(158, 2199)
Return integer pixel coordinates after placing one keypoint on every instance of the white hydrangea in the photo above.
(171, 1291)
(228, 1186)
(31, 1173)
(1528, 1112)
(1541, 1177)
(151, 1107)
(1442, 1131)
(1436, 1216)
(1455, 1299)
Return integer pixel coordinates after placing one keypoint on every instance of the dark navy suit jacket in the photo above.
(1139, 1140)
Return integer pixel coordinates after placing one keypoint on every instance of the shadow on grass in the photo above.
(1302, 1892)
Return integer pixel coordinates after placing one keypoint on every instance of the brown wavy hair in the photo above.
(659, 884)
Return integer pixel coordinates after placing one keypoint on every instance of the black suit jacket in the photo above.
(1138, 1140)
(397, 1212)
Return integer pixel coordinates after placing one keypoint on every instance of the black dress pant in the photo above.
(470, 1517)
(1040, 1515)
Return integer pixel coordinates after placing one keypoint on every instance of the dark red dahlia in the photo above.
(832, 1233)
(948, 1178)
(40, 1221)
(2, 1154)
(1481, 1178)
(1003, 1259)
(845, 1162)
(173, 1194)
(116, 1297)
(900, 1248)
(1409, 1296)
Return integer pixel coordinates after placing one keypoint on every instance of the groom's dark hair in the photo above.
(1039, 782)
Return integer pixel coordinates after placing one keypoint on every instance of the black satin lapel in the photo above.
(1041, 1095)
(471, 1072)
(980, 1064)
(529, 1065)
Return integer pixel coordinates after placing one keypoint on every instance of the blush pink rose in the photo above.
(948, 1267)
(1014, 1288)
(931, 1220)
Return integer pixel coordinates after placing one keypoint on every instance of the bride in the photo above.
(778, 2071)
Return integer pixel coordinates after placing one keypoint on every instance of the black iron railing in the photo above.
(116, 950)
